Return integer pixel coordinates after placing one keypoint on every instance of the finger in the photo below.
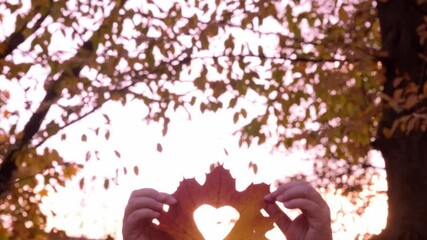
(302, 191)
(137, 203)
(283, 188)
(309, 208)
(138, 218)
(169, 199)
(282, 220)
(152, 193)
(293, 190)
(144, 192)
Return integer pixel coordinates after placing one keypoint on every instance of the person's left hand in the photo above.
(315, 221)
(144, 205)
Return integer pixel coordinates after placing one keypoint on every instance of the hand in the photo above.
(144, 205)
(315, 220)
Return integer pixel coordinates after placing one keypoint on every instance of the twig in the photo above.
(68, 124)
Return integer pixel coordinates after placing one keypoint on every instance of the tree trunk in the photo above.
(404, 152)
(406, 167)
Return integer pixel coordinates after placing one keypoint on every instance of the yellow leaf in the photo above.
(397, 94)
(343, 14)
(397, 81)
(43, 192)
(411, 101)
(411, 124)
(69, 171)
(3, 139)
(402, 122)
(387, 132)
(212, 30)
(3, 48)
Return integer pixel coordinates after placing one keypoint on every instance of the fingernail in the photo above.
(268, 207)
(173, 201)
(271, 210)
(268, 198)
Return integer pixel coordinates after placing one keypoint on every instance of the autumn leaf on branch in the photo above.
(219, 190)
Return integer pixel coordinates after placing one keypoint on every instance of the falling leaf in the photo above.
(159, 147)
(254, 167)
(225, 151)
(106, 184)
(107, 135)
(218, 191)
(107, 118)
(81, 183)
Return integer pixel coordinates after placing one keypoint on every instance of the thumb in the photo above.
(282, 220)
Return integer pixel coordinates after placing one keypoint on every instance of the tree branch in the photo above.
(69, 124)
(24, 31)
(53, 92)
(296, 59)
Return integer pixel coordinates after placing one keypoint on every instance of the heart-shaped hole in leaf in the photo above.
(215, 223)
(218, 190)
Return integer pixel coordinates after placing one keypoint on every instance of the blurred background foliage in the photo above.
(311, 68)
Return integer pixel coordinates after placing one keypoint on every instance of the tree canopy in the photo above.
(312, 68)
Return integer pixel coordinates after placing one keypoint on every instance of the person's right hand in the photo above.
(143, 206)
(315, 220)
